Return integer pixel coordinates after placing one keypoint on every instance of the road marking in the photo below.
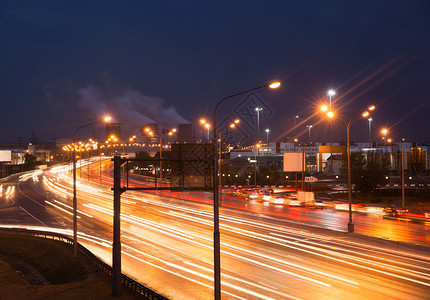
(19, 189)
(34, 217)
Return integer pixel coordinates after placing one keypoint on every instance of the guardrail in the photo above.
(101, 265)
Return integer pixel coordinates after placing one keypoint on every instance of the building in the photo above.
(186, 133)
(146, 133)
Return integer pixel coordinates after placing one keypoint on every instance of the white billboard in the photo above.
(294, 161)
(5, 156)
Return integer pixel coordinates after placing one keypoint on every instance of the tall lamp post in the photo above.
(365, 114)
(256, 152)
(294, 119)
(258, 109)
(331, 93)
(309, 128)
(232, 125)
(216, 235)
(207, 126)
(75, 202)
(370, 130)
(267, 137)
(403, 173)
(163, 131)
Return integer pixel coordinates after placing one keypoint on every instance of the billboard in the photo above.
(5, 156)
(192, 165)
(294, 161)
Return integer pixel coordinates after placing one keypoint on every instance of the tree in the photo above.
(30, 160)
(367, 171)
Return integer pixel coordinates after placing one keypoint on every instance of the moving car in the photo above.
(395, 211)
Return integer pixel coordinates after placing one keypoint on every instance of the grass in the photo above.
(71, 278)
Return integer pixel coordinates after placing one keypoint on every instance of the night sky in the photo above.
(66, 63)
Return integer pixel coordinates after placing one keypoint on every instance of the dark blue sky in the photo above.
(64, 63)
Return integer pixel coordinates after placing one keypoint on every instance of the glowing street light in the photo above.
(370, 129)
(170, 133)
(331, 93)
(258, 109)
(257, 148)
(208, 126)
(267, 137)
(309, 128)
(232, 125)
(275, 85)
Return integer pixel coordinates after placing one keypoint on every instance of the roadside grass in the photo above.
(70, 277)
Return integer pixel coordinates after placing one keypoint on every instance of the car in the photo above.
(294, 202)
(253, 194)
(277, 199)
(233, 192)
(265, 196)
(395, 211)
(247, 194)
(243, 194)
(319, 203)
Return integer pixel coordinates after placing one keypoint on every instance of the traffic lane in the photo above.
(370, 224)
(199, 213)
(400, 229)
(234, 263)
(188, 218)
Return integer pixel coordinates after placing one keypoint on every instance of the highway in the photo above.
(268, 251)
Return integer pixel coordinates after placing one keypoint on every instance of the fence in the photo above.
(101, 265)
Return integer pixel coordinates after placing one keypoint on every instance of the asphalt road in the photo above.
(268, 252)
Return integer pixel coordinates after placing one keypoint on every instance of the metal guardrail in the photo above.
(101, 265)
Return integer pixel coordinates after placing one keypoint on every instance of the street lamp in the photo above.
(232, 125)
(370, 130)
(331, 114)
(403, 173)
(294, 128)
(216, 235)
(331, 93)
(208, 126)
(267, 140)
(258, 109)
(256, 152)
(75, 202)
(309, 128)
(170, 133)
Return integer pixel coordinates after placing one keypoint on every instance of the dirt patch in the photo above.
(26, 271)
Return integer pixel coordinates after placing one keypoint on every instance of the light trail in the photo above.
(71, 208)
(175, 232)
(60, 208)
(245, 240)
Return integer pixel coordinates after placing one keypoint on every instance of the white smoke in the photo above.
(129, 107)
